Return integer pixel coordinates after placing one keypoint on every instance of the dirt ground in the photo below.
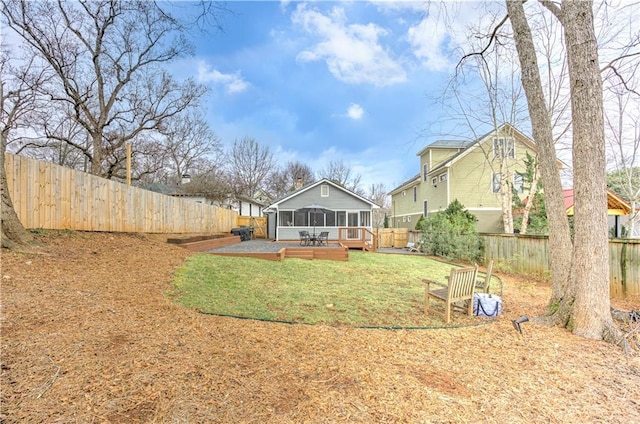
(90, 334)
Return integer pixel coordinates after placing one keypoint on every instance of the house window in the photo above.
(443, 177)
(415, 194)
(434, 182)
(342, 218)
(495, 182)
(404, 192)
(503, 147)
(409, 219)
(425, 171)
(324, 190)
(425, 209)
(518, 183)
(404, 219)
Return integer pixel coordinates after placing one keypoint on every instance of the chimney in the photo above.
(298, 183)
(186, 179)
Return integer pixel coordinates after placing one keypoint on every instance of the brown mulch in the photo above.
(90, 334)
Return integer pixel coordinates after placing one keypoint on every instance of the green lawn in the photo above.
(368, 290)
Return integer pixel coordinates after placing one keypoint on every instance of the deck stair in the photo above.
(299, 253)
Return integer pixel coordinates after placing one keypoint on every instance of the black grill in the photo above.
(244, 233)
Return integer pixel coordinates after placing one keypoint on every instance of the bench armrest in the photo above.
(437, 283)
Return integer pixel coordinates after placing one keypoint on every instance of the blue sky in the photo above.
(324, 81)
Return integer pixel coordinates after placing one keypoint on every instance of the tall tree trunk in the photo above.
(97, 156)
(591, 312)
(12, 233)
(560, 246)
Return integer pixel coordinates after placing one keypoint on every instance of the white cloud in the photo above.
(352, 52)
(355, 111)
(233, 83)
(427, 39)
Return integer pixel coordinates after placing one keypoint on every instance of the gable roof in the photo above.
(446, 144)
(406, 184)
(616, 205)
(170, 190)
(476, 144)
(250, 200)
(315, 184)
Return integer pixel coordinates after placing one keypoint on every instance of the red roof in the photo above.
(567, 195)
(615, 204)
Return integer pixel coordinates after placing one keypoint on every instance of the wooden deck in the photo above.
(338, 253)
(332, 252)
(202, 243)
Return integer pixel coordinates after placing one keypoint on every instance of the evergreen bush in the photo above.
(451, 234)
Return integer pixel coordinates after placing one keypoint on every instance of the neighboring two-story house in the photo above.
(469, 171)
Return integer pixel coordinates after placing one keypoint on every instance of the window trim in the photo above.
(501, 144)
(518, 186)
(496, 183)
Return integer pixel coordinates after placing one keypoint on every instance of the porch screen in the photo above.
(316, 219)
(365, 219)
(286, 218)
(331, 219)
(300, 219)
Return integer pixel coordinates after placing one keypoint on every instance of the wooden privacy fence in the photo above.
(259, 224)
(528, 254)
(393, 237)
(49, 196)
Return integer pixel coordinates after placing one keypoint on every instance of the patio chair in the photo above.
(323, 238)
(305, 238)
(457, 294)
(485, 283)
(412, 247)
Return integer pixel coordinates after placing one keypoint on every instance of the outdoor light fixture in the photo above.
(516, 323)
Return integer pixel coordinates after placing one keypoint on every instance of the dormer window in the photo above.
(425, 171)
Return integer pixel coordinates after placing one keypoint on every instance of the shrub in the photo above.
(451, 234)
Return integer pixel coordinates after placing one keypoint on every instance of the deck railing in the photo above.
(361, 237)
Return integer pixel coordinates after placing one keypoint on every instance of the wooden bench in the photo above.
(485, 284)
(457, 294)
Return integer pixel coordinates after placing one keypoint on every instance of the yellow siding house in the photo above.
(469, 171)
